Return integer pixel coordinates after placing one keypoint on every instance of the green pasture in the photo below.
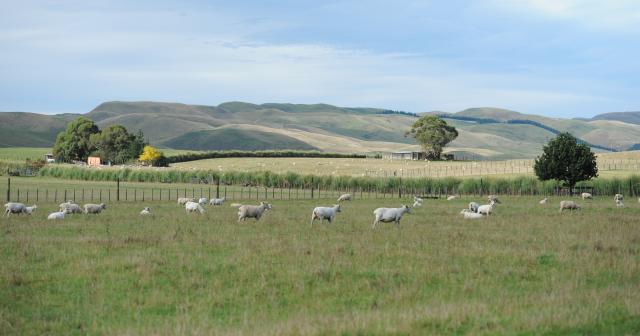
(526, 270)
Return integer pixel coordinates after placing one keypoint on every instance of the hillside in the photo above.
(626, 117)
(489, 133)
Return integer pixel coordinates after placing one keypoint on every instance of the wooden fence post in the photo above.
(118, 189)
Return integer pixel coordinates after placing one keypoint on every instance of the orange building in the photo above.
(93, 161)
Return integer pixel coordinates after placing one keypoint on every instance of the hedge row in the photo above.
(520, 185)
(261, 154)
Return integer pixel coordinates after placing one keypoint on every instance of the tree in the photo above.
(565, 160)
(433, 134)
(150, 155)
(115, 144)
(74, 143)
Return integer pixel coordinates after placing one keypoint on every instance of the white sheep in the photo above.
(203, 200)
(416, 204)
(544, 200)
(193, 207)
(328, 213)
(30, 210)
(146, 211)
(586, 195)
(569, 205)
(617, 197)
(452, 198)
(70, 208)
(56, 215)
(619, 204)
(184, 200)
(64, 205)
(487, 209)
(94, 208)
(473, 206)
(217, 201)
(387, 215)
(252, 211)
(493, 198)
(14, 208)
(468, 214)
(344, 197)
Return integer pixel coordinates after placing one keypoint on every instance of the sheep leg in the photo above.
(375, 222)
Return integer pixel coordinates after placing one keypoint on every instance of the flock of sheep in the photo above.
(385, 215)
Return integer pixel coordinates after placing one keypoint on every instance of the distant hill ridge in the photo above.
(484, 132)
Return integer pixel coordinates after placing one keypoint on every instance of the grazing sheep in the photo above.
(184, 200)
(387, 215)
(30, 210)
(94, 208)
(145, 211)
(217, 201)
(568, 205)
(473, 206)
(619, 204)
(417, 201)
(344, 197)
(65, 204)
(617, 197)
(56, 215)
(452, 198)
(328, 213)
(468, 214)
(203, 200)
(487, 209)
(14, 208)
(70, 208)
(544, 200)
(586, 195)
(493, 198)
(252, 211)
(193, 207)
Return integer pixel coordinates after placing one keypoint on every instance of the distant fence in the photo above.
(486, 168)
(122, 192)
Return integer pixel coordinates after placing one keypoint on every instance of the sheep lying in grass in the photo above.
(252, 211)
(14, 208)
(493, 198)
(586, 195)
(387, 215)
(487, 209)
(618, 197)
(94, 208)
(217, 201)
(452, 198)
(417, 201)
(569, 205)
(344, 197)
(56, 215)
(619, 204)
(328, 213)
(473, 206)
(193, 207)
(146, 211)
(203, 201)
(184, 200)
(544, 200)
(468, 214)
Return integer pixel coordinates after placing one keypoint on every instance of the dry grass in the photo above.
(526, 270)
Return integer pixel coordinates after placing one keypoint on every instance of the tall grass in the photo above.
(524, 185)
(262, 154)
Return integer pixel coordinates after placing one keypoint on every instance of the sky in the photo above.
(559, 58)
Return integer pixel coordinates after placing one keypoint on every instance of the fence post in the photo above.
(9, 190)
(118, 189)
(218, 187)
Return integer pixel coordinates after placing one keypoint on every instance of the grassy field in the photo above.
(609, 167)
(19, 154)
(526, 270)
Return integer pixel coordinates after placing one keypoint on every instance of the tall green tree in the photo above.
(564, 159)
(74, 143)
(115, 144)
(433, 134)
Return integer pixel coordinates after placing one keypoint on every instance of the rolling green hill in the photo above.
(626, 117)
(492, 133)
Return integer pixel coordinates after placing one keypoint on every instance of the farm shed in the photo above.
(93, 161)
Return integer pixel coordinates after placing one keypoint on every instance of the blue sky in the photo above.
(563, 58)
